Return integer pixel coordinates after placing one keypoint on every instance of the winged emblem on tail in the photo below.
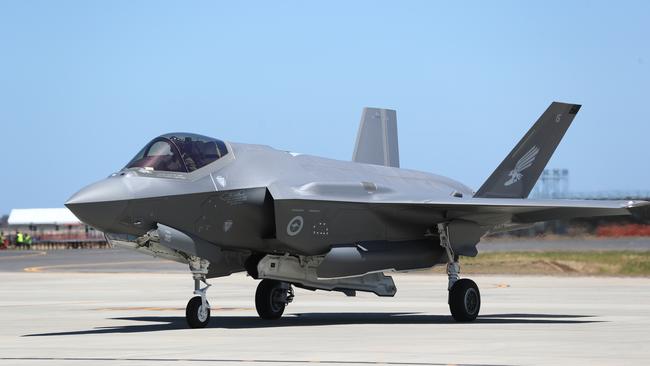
(525, 162)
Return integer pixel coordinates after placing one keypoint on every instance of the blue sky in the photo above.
(85, 84)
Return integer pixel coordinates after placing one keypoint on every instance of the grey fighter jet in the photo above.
(293, 219)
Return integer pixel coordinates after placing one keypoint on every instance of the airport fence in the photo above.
(62, 245)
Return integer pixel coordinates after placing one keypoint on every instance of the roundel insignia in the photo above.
(295, 225)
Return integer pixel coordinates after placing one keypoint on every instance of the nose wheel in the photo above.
(197, 314)
(197, 311)
(271, 298)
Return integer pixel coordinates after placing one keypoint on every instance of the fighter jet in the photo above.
(291, 219)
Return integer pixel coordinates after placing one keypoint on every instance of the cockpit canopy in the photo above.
(179, 152)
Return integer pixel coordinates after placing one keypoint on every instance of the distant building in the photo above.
(51, 225)
(45, 218)
(553, 183)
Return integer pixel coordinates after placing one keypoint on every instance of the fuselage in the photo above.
(235, 201)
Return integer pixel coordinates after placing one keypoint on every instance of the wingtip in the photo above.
(640, 210)
(637, 203)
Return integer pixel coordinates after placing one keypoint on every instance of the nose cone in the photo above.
(101, 204)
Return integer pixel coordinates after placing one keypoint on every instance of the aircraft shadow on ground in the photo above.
(320, 319)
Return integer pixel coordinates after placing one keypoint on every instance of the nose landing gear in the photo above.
(197, 312)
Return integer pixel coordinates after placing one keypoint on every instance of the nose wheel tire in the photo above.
(271, 298)
(196, 314)
(464, 300)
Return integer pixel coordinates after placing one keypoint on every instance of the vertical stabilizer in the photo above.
(377, 138)
(519, 171)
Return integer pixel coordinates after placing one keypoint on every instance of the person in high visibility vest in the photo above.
(27, 239)
(20, 238)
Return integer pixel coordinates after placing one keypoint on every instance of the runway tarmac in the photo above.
(73, 318)
(117, 307)
(86, 261)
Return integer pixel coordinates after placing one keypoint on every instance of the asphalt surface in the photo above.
(117, 307)
(138, 319)
(86, 261)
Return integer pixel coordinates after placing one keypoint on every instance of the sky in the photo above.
(85, 84)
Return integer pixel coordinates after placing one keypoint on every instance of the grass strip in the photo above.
(591, 263)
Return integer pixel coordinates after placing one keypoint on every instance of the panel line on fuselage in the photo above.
(214, 183)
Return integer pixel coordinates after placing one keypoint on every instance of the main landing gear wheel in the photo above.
(464, 300)
(271, 298)
(464, 297)
(197, 315)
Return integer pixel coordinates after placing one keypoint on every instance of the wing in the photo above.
(342, 213)
(490, 211)
(484, 211)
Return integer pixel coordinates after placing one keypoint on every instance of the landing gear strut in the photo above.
(464, 296)
(197, 312)
(272, 297)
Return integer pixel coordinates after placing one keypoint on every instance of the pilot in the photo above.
(186, 155)
(189, 162)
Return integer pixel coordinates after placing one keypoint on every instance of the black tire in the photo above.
(193, 313)
(464, 300)
(268, 299)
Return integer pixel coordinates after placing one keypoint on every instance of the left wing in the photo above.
(530, 211)
(338, 220)
(486, 211)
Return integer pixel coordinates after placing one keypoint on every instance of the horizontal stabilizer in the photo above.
(377, 138)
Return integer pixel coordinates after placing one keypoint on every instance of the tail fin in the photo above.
(519, 171)
(377, 138)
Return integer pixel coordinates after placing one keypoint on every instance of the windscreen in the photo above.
(179, 152)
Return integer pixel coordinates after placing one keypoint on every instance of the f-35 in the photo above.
(293, 219)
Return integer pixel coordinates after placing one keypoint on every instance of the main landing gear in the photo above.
(464, 296)
(197, 312)
(272, 297)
